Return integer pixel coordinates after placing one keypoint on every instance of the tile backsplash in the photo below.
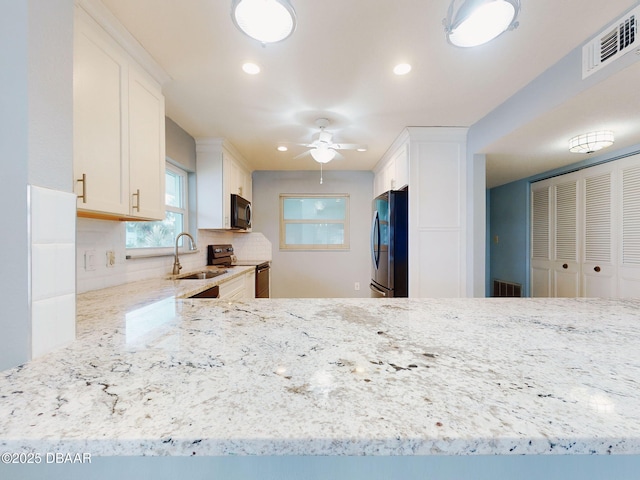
(53, 269)
(96, 237)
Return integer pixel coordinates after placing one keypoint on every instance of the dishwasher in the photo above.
(262, 280)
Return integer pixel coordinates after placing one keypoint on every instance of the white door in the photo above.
(541, 280)
(598, 267)
(565, 265)
(629, 264)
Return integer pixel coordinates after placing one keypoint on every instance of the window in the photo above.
(314, 222)
(162, 234)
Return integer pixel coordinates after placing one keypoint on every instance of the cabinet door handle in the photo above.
(84, 187)
(596, 268)
(137, 205)
(565, 266)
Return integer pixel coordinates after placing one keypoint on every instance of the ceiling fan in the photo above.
(323, 149)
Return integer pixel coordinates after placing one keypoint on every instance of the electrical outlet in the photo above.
(90, 260)
(111, 258)
(357, 286)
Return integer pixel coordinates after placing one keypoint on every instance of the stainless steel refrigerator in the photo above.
(390, 245)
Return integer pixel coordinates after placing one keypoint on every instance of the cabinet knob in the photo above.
(596, 268)
(565, 266)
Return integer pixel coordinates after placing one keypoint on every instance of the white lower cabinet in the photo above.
(585, 232)
(239, 288)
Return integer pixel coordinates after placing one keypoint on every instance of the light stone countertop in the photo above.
(152, 374)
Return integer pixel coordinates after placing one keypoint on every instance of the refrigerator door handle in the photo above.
(377, 290)
(375, 232)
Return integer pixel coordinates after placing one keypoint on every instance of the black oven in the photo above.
(240, 212)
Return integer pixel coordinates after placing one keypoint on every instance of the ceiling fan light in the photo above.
(591, 142)
(477, 22)
(323, 155)
(267, 21)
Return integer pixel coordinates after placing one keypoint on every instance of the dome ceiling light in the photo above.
(591, 142)
(477, 22)
(267, 21)
(322, 154)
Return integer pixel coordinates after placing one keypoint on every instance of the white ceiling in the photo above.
(338, 64)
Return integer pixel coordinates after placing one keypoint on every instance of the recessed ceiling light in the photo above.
(282, 148)
(402, 69)
(251, 68)
(361, 149)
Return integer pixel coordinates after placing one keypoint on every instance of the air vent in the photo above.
(621, 37)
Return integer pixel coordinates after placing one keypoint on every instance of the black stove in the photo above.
(220, 254)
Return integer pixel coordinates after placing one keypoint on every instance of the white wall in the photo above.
(306, 274)
(102, 235)
(36, 129)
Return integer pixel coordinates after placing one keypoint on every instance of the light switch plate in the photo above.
(89, 260)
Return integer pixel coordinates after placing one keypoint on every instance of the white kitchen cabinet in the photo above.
(584, 232)
(393, 172)
(100, 162)
(220, 172)
(431, 163)
(250, 284)
(119, 149)
(239, 288)
(146, 148)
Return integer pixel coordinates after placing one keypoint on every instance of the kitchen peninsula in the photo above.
(155, 374)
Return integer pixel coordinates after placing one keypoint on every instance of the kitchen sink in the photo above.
(201, 275)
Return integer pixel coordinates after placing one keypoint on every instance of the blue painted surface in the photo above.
(521, 467)
(509, 234)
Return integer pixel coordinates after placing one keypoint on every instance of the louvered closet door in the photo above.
(541, 239)
(598, 267)
(629, 228)
(566, 267)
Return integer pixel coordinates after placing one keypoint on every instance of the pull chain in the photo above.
(321, 174)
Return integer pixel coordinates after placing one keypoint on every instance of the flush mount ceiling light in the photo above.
(479, 21)
(591, 142)
(267, 21)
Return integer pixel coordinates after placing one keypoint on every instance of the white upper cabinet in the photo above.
(119, 135)
(146, 148)
(220, 172)
(392, 173)
(99, 121)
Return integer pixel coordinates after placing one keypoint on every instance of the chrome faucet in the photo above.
(176, 260)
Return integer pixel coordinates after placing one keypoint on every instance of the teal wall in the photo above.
(509, 222)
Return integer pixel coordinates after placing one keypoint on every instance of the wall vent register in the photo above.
(611, 44)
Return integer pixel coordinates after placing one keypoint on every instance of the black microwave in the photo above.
(240, 212)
